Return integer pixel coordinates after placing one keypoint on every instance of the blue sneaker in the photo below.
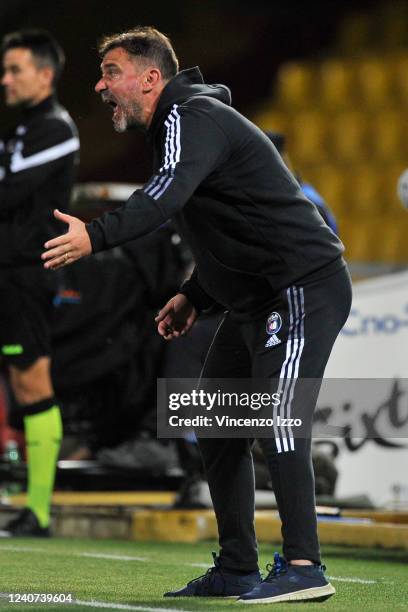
(217, 582)
(290, 583)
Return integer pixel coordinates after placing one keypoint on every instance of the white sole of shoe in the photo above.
(207, 596)
(318, 593)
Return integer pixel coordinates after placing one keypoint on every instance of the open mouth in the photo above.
(110, 102)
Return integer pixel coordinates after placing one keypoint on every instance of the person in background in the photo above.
(37, 170)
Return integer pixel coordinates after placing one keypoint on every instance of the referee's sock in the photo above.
(43, 431)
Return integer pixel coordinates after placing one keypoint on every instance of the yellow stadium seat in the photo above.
(393, 240)
(295, 85)
(346, 233)
(398, 68)
(374, 83)
(361, 237)
(331, 183)
(307, 137)
(388, 136)
(270, 119)
(367, 192)
(336, 84)
(379, 239)
(348, 136)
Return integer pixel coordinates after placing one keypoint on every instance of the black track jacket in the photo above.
(221, 180)
(37, 169)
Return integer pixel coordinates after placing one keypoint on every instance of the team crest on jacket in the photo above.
(273, 326)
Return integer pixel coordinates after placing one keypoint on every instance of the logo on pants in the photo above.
(273, 326)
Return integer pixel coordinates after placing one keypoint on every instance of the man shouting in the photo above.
(263, 252)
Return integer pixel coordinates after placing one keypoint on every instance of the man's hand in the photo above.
(69, 247)
(176, 318)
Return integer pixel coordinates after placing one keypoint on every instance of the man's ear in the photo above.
(151, 78)
(47, 75)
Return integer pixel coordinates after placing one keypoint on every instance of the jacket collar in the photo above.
(176, 90)
(43, 107)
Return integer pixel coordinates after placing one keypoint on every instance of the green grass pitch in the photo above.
(133, 576)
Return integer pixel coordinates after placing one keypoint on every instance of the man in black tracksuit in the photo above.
(264, 253)
(37, 166)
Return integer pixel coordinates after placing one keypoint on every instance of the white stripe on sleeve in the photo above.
(165, 175)
(19, 163)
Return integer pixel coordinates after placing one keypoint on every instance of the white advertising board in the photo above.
(374, 344)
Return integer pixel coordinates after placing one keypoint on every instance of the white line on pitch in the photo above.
(83, 554)
(115, 606)
(144, 559)
(358, 580)
(112, 557)
(22, 549)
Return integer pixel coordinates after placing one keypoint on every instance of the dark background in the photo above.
(239, 43)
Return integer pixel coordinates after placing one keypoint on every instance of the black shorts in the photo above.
(25, 314)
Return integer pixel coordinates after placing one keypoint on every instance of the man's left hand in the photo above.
(69, 247)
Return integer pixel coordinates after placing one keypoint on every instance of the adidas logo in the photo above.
(273, 341)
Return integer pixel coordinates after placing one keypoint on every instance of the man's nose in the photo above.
(100, 86)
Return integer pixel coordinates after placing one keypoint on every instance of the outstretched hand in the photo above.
(176, 318)
(69, 247)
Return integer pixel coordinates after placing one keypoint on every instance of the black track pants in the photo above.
(306, 321)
